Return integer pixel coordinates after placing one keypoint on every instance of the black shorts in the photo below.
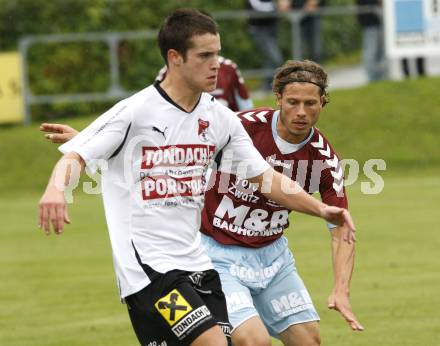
(177, 307)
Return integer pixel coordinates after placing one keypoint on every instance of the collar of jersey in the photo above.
(291, 148)
(170, 100)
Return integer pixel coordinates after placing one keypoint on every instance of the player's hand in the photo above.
(340, 302)
(53, 210)
(58, 133)
(340, 217)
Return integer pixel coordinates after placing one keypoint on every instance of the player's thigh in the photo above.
(169, 310)
(239, 302)
(247, 327)
(302, 334)
(285, 301)
(238, 297)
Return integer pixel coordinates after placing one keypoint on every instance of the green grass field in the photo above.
(60, 290)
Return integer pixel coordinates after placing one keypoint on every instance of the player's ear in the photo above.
(174, 57)
(323, 101)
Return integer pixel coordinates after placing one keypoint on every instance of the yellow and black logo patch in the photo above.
(173, 307)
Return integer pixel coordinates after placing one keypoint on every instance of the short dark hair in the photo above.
(180, 26)
(300, 71)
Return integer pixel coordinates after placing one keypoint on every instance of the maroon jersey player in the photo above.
(314, 164)
(244, 230)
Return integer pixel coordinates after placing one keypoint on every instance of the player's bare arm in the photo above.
(343, 264)
(52, 206)
(58, 133)
(288, 193)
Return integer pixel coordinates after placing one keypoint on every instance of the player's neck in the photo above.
(180, 92)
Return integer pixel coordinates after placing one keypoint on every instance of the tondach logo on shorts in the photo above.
(173, 307)
(180, 314)
(191, 321)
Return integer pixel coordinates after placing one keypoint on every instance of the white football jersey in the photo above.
(153, 156)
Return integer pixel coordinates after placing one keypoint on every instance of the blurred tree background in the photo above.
(84, 67)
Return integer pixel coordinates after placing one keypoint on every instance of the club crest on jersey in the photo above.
(203, 130)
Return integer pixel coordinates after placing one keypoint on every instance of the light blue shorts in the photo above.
(262, 282)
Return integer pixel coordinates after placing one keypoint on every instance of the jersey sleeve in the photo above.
(331, 187)
(239, 156)
(102, 137)
(328, 172)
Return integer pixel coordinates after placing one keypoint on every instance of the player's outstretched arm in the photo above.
(289, 194)
(343, 264)
(58, 133)
(52, 206)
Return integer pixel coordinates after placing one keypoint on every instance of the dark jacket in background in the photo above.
(368, 19)
(301, 3)
(263, 6)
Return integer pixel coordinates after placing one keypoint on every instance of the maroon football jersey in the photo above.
(230, 90)
(236, 213)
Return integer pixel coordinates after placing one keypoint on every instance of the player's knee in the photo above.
(252, 342)
(313, 338)
(315, 341)
(254, 339)
(302, 335)
(211, 337)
